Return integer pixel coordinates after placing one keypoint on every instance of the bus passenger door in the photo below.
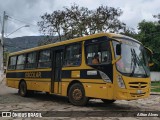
(56, 71)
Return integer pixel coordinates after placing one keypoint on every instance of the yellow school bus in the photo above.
(105, 66)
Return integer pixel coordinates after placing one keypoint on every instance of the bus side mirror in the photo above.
(118, 49)
(149, 57)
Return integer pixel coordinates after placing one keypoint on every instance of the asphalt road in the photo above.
(11, 101)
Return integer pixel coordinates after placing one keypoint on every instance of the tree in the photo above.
(51, 24)
(158, 17)
(149, 35)
(130, 32)
(78, 21)
(105, 19)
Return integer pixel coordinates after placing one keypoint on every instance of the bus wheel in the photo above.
(76, 95)
(108, 101)
(22, 89)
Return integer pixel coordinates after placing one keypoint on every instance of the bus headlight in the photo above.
(105, 77)
(120, 82)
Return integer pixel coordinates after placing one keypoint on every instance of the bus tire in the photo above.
(77, 96)
(22, 89)
(108, 101)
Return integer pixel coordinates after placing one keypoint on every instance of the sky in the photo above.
(28, 12)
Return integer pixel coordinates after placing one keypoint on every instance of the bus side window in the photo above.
(44, 60)
(12, 63)
(30, 60)
(73, 55)
(98, 53)
(21, 61)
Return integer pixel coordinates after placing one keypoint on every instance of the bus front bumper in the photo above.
(132, 94)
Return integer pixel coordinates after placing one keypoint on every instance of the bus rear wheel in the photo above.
(76, 95)
(22, 89)
(108, 101)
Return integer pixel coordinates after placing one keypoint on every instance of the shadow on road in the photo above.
(10, 95)
(93, 103)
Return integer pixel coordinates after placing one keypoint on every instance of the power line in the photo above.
(17, 30)
(21, 21)
(14, 22)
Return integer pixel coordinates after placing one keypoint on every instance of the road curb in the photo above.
(155, 93)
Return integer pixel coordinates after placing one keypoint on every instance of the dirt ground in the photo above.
(11, 101)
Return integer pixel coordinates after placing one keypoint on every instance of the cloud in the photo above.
(136, 10)
(29, 11)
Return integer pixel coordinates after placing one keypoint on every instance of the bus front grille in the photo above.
(137, 94)
(137, 84)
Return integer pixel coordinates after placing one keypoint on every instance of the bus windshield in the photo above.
(134, 59)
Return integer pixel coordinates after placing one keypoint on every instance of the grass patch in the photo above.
(155, 83)
(155, 86)
(155, 90)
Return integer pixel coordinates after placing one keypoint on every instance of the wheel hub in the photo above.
(77, 94)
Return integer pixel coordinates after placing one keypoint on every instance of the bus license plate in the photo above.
(139, 91)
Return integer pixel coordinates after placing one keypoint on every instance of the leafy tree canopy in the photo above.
(78, 21)
(149, 35)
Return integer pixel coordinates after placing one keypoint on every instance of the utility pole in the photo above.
(2, 44)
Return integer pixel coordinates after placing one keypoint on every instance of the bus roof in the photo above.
(110, 35)
(121, 37)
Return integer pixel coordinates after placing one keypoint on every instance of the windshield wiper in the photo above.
(137, 60)
(133, 61)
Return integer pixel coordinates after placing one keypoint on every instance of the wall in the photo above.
(155, 76)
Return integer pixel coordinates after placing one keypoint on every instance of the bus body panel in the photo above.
(95, 87)
(136, 88)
